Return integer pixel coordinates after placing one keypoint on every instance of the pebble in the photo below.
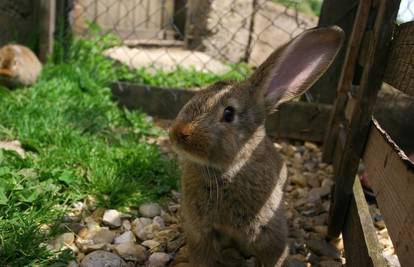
(151, 244)
(330, 263)
(66, 239)
(150, 210)
(158, 259)
(102, 258)
(131, 252)
(112, 218)
(147, 232)
(126, 237)
(158, 220)
(322, 248)
(104, 235)
(298, 179)
(126, 225)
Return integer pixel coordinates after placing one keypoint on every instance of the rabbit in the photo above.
(19, 66)
(232, 176)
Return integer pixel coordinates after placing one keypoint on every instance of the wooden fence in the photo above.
(377, 50)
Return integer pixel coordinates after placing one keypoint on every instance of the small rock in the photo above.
(314, 196)
(102, 258)
(126, 225)
(150, 210)
(86, 248)
(292, 262)
(126, 237)
(311, 146)
(104, 235)
(298, 179)
(321, 229)
(66, 239)
(322, 248)
(158, 259)
(15, 146)
(379, 222)
(151, 244)
(158, 220)
(147, 232)
(112, 218)
(91, 224)
(330, 263)
(131, 252)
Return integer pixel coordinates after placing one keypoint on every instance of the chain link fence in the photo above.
(204, 35)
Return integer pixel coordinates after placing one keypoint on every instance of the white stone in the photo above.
(126, 237)
(158, 259)
(112, 218)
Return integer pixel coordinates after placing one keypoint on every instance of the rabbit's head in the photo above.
(9, 61)
(223, 120)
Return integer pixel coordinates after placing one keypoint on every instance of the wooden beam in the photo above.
(360, 239)
(47, 28)
(400, 67)
(346, 78)
(296, 120)
(391, 174)
(341, 13)
(385, 12)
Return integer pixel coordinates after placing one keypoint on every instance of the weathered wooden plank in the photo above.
(341, 13)
(400, 66)
(346, 77)
(47, 28)
(360, 240)
(385, 13)
(296, 120)
(392, 177)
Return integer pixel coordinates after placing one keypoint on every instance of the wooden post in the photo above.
(47, 28)
(341, 13)
(346, 78)
(196, 23)
(377, 38)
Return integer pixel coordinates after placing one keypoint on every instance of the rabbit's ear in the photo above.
(294, 68)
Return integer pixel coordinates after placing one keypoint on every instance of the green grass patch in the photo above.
(181, 78)
(310, 7)
(78, 143)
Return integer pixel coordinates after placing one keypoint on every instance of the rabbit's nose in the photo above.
(182, 132)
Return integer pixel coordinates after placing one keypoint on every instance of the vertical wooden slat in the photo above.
(347, 75)
(341, 13)
(47, 28)
(370, 83)
(360, 239)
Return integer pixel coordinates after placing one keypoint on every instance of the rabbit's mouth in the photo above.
(6, 73)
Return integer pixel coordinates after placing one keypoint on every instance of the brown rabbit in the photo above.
(232, 176)
(18, 66)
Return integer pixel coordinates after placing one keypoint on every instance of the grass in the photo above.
(310, 7)
(181, 78)
(79, 143)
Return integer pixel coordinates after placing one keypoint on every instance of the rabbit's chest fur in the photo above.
(239, 207)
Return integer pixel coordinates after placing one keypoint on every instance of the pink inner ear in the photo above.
(300, 65)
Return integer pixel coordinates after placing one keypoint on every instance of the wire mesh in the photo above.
(205, 35)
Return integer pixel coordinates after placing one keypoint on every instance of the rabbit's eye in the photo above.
(228, 114)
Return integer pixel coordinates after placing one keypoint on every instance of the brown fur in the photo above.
(18, 66)
(233, 177)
